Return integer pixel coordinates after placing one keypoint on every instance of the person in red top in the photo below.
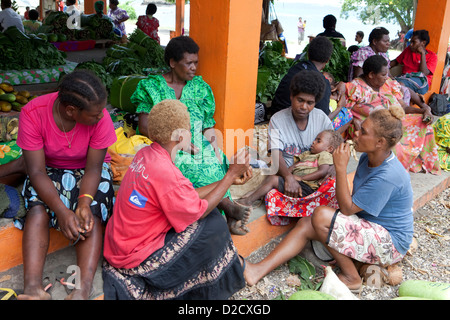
(418, 63)
(148, 23)
(165, 239)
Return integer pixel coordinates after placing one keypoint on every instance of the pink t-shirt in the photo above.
(153, 197)
(38, 130)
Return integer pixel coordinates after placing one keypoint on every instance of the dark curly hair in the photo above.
(320, 49)
(377, 34)
(310, 82)
(374, 64)
(82, 89)
(178, 46)
(422, 35)
(151, 9)
(329, 21)
(33, 14)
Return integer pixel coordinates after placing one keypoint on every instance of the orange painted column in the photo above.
(227, 32)
(434, 16)
(179, 23)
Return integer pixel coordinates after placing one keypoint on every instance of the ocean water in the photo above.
(313, 12)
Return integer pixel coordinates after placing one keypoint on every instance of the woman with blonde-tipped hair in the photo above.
(374, 222)
(167, 240)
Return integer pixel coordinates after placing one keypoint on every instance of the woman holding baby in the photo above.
(375, 232)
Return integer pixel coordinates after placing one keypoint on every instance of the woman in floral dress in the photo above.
(148, 23)
(417, 149)
(207, 163)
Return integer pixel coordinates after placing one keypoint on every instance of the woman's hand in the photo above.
(427, 116)
(244, 178)
(84, 215)
(239, 164)
(69, 224)
(291, 187)
(341, 157)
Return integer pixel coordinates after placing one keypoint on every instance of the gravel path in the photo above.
(430, 261)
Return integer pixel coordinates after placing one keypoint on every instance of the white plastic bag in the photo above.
(335, 287)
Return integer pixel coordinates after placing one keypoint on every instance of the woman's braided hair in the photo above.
(82, 89)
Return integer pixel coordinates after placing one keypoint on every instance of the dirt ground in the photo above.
(430, 261)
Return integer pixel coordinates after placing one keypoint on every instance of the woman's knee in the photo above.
(322, 216)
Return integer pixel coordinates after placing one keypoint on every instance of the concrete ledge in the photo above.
(11, 244)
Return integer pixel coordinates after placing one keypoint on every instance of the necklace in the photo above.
(64, 130)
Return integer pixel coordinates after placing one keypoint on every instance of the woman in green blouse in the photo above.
(206, 163)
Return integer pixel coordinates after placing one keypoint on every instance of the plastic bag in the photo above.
(335, 287)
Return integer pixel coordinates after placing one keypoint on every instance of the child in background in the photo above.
(148, 23)
(339, 115)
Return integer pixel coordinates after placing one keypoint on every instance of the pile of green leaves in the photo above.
(19, 51)
(306, 271)
(154, 56)
(141, 55)
(339, 62)
(92, 26)
(272, 68)
(99, 70)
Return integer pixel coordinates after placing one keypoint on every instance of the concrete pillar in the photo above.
(434, 16)
(228, 33)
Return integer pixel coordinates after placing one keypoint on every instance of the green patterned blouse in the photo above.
(203, 168)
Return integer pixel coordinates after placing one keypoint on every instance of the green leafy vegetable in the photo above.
(306, 271)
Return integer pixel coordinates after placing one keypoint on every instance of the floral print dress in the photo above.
(204, 167)
(442, 134)
(149, 25)
(417, 150)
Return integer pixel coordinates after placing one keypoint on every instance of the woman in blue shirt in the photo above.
(374, 223)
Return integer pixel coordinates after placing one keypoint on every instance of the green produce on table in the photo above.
(10, 97)
(26, 52)
(99, 70)
(155, 53)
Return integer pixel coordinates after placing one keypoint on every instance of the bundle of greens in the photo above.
(19, 51)
(339, 62)
(103, 26)
(273, 66)
(154, 57)
(99, 70)
(92, 26)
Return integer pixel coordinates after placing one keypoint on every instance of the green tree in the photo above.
(376, 11)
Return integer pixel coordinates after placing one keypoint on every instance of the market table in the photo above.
(75, 45)
(31, 76)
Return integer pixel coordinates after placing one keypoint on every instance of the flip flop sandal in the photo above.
(48, 285)
(9, 295)
(61, 275)
(243, 262)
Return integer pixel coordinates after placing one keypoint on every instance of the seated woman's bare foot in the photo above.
(352, 282)
(251, 274)
(78, 294)
(239, 211)
(34, 294)
(237, 227)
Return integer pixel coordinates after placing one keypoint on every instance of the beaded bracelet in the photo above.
(86, 195)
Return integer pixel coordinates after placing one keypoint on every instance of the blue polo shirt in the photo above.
(386, 197)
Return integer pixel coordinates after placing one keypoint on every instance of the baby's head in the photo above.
(327, 140)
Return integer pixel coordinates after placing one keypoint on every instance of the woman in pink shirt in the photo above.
(64, 137)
